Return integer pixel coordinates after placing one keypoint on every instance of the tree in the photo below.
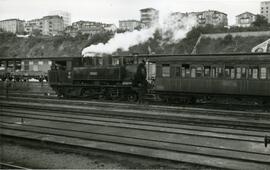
(260, 21)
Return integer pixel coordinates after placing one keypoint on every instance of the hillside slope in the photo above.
(230, 43)
(62, 46)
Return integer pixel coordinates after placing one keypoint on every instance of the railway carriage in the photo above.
(195, 76)
(24, 68)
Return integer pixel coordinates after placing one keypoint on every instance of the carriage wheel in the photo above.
(132, 97)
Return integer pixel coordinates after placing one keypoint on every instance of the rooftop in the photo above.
(148, 9)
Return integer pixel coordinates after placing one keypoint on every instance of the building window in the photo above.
(165, 70)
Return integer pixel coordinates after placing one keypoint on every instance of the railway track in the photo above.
(179, 134)
(11, 166)
(161, 113)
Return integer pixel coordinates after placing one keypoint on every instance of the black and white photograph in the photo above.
(135, 84)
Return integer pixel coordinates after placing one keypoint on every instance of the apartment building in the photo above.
(245, 19)
(149, 17)
(65, 15)
(48, 25)
(12, 25)
(265, 10)
(89, 27)
(203, 18)
(32, 25)
(212, 17)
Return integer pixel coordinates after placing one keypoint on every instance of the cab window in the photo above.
(115, 61)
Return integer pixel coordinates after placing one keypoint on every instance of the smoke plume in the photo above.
(173, 29)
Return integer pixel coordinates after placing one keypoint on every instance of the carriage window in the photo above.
(253, 73)
(199, 71)
(185, 70)
(263, 73)
(193, 73)
(206, 71)
(232, 73)
(177, 71)
(158, 73)
(217, 72)
(244, 72)
(229, 72)
(220, 72)
(165, 70)
(268, 73)
(214, 72)
(2, 65)
(238, 72)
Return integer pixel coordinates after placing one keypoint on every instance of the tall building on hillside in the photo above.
(48, 25)
(149, 17)
(65, 15)
(52, 25)
(12, 25)
(265, 10)
(245, 19)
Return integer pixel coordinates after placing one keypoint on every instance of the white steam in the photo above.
(173, 29)
(120, 41)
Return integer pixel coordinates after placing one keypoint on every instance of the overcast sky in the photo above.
(111, 11)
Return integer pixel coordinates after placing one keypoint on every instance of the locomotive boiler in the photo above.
(110, 77)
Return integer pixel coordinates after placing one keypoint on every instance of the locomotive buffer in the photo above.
(266, 140)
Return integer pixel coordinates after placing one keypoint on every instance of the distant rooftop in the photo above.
(245, 13)
(12, 19)
(148, 9)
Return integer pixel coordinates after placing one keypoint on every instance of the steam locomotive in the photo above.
(110, 77)
(175, 78)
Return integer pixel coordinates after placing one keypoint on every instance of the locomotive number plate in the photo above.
(93, 73)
